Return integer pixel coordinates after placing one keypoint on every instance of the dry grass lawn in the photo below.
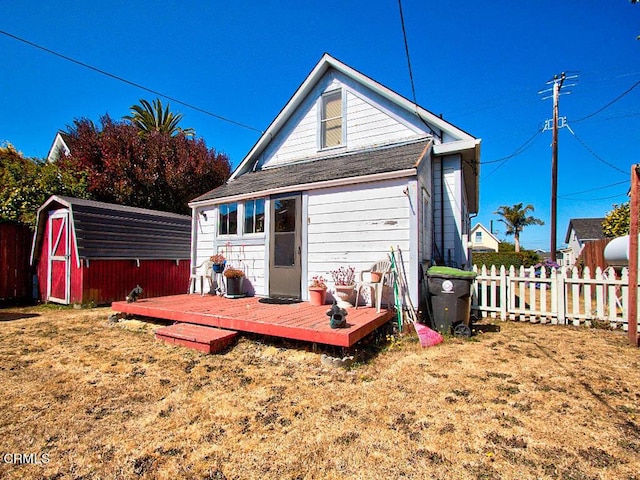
(90, 400)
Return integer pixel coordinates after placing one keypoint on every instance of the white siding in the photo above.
(297, 140)
(250, 258)
(246, 252)
(368, 125)
(370, 120)
(357, 226)
(452, 204)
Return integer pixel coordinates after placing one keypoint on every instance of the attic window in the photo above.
(331, 119)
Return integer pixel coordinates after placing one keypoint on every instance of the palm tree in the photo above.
(154, 118)
(515, 218)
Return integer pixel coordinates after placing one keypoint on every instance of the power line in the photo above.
(609, 104)
(595, 155)
(413, 88)
(593, 189)
(595, 199)
(517, 151)
(406, 49)
(129, 82)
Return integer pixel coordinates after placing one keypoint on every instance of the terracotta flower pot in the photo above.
(317, 296)
(376, 277)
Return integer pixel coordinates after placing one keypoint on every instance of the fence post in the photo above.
(561, 296)
(599, 294)
(494, 296)
(624, 297)
(503, 293)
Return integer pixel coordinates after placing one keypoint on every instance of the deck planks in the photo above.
(298, 321)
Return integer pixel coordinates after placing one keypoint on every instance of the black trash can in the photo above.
(450, 294)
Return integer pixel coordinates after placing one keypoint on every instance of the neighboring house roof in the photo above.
(109, 231)
(586, 229)
(456, 141)
(479, 226)
(60, 144)
(395, 159)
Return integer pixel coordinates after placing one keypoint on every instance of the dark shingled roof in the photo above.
(368, 162)
(105, 230)
(586, 229)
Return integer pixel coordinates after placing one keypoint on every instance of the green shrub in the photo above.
(525, 258)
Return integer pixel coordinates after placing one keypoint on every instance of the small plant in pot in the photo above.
(235, 279)
(218, 262)
(317, 291)
(344, 280)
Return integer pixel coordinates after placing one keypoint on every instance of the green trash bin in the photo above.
(450, 294)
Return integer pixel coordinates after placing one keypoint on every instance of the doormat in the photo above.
(280, 300)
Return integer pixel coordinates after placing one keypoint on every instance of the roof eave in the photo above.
(409, 172)
(469, 150)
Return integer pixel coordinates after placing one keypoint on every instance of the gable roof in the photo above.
(328, 62)
(586, 229)
(479, 226)
(108, 231)
(391, 161)
(60, 143)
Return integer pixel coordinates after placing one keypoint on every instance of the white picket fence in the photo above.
(563, 296)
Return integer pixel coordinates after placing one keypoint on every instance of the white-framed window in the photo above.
(331, 122)
(254, 216)
(478, 237)
(228, 219)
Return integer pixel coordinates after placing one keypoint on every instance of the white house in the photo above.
(346, 170)
(482, 240)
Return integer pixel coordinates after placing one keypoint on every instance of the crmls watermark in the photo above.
(25, 458)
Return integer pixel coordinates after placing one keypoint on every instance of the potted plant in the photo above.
(344, 282)
(317, 291)
(218, 262)
(235, 279)
(376, 277)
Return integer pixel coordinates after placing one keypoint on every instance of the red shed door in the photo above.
(59, 258)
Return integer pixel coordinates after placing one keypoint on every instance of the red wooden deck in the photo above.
(298, 321)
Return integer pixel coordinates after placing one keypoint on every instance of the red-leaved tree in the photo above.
(156, 170)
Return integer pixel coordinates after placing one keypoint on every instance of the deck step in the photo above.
(198, 337)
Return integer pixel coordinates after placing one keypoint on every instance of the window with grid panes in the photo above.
(331, 120)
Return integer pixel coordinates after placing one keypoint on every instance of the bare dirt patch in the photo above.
(90, 399)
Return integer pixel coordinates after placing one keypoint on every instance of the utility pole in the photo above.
(557, 85)
(554, 124)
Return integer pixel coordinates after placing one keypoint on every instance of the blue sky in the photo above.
(480, 64)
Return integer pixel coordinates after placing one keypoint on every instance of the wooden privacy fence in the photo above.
(559, 296)
(15, 272)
